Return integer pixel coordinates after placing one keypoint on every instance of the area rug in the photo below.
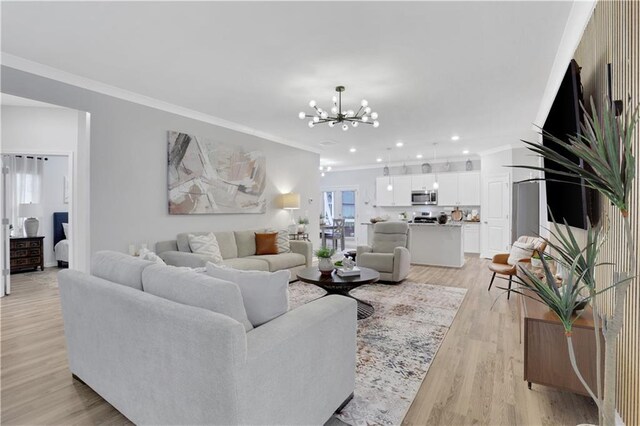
(395, 346)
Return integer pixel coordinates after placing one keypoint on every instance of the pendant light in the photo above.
(435, 183)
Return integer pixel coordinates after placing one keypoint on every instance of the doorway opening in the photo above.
(341, 204)
(45, 181)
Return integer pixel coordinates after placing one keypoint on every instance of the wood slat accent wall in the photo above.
(613, 36)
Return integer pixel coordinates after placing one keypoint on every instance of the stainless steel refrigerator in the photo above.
(525, 216)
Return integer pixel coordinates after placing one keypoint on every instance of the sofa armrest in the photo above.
(363, 249)
(308, 351)
(304, 248)
(401, 263)
(181, 258)
(162, 246)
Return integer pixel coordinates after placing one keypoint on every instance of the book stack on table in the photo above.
(348, 272)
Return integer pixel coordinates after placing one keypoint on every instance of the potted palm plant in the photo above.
(606, 148)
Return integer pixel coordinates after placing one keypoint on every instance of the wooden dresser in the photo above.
(26, 254)
(546, 356)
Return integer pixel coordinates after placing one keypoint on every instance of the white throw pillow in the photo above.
(265, 294)
(146, 254)
(520, 251)
(282, 241)
(207, 245)
(65, 230)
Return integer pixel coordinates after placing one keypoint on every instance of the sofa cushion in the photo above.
(381, 262)
(247, 264)
(386, 243)
(188, 287)
(206, 245)
(246, 242)
(227, 243)
(266, 243)
(119, 268)
(281, 261)
(265, 294)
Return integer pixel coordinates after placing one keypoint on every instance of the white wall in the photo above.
(128, 164)
(53, 173)
(33, 129)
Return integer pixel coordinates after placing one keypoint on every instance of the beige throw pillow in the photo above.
(520, 251)
(265, 294)
(207, 245)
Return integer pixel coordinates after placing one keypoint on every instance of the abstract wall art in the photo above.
(210, 177)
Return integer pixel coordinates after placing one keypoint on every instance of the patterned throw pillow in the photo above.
(282, 241)
(520, 251)
(207, 245)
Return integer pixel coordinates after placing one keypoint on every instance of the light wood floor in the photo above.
(476, 377)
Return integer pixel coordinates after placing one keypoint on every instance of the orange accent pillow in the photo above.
(267, 243)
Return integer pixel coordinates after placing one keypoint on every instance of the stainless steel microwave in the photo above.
(421, 198)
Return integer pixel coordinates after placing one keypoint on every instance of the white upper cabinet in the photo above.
(383, 197)
(459, 189)
(469, 189)
(399, 196)
(448, 189)
(402, 191)
(422, 182)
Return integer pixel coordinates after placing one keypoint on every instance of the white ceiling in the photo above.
(430, 69)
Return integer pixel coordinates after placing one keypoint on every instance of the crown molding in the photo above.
(22, 64)
(579, 17)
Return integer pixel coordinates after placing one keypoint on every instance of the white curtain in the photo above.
(24, 185)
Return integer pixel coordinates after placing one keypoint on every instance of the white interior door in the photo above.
(496, 223)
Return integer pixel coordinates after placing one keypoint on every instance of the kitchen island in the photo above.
(437, 245)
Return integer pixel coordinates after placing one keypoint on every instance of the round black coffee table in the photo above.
(335, 284)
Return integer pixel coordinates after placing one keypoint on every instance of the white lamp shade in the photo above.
(30, 210)
(290, 201)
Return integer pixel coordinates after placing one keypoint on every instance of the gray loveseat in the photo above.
(238, 249)
(158, 361)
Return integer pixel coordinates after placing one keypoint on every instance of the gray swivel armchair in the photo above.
(388, 253)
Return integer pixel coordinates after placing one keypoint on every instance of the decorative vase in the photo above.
(325, 265)
(302, 228)
(442, 218)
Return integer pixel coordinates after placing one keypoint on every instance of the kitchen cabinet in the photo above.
(469, 189)
(459, 189)
(472, 238)
(422, 182)
(448, 189)
(399, 196)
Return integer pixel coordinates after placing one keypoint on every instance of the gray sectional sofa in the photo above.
(158, 361)
(238, 249)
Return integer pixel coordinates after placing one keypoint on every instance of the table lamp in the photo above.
(31, 211)
(290, 201)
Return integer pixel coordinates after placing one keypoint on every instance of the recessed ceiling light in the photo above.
(455, 138)
(352, 150)
(466, 151)
(379, 160)
(328, 168)
(399, 144)
(419, 156)
(322, 174)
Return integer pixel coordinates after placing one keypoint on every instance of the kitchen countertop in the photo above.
(451, 224)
